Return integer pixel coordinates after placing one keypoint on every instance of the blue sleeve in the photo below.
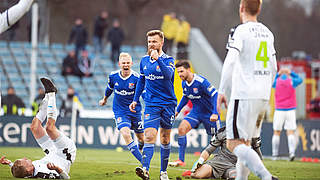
(166, 69)
(109, 88)
(140, 84)
(182, 103)
(212, 93)
(275, 81)
(296, 79)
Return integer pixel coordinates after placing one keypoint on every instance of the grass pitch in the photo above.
(109, 164)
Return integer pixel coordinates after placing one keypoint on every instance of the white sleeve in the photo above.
(227, 70)
(12, 15)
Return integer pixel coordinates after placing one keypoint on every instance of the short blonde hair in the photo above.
(156, 32)
(125, 54)
(18, 170)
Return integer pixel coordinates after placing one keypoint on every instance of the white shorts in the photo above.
(242, 115)
(288, 118)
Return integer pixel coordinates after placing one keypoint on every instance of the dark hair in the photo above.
(183, 63)
(252, 6)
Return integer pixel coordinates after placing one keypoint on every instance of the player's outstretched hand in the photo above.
(102, 102)
(213, 117)
(4, 161)
(222, 99)
(132, 106)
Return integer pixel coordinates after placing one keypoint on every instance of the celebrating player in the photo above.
(123, 82)
(156, 77)
(60, 151)
(250, 66)
(13, 14)
(203, 96)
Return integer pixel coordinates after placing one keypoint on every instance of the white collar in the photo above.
(125, 78)
(194, 77)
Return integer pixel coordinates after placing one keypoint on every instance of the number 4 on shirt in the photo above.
(264, 58)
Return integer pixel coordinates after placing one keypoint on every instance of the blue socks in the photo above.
(148, 150)
(165, 153)
(133, 148)
(182, 141)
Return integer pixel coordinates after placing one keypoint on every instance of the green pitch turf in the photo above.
(109, 164)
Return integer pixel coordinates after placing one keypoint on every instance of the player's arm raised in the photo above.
(12, 15)
(167, 68)
(5, 161)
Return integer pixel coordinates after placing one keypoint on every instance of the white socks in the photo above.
(291, 144)
(242, 171)
(42, 113)
(52, 108)
(275, 145)
(250, 158)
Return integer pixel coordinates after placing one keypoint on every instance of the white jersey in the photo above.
(254, 64)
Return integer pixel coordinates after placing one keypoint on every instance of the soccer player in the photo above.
(222, 165)
(285, 95)
(203, 96)
(123, 83)
(60, 151)
(249, 67)
(156, 77)
(13, 14)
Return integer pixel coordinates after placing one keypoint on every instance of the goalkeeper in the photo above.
(222, 165)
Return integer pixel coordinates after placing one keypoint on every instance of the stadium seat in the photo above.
(15, 44)
(3, 44)
(56, 46)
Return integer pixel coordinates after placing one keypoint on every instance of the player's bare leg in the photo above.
(164, 152)
(204, 172)
(132, 146)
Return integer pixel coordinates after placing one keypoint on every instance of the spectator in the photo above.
(85, 64)
(67, 103)
(169, 27)
(115, 36)
(37, 101)
(79, 35)
(11, 102)
(70, 65)
(182, 39)
(100, 25)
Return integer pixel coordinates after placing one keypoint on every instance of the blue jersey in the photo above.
(124, 90)
(202, 94)
(157, 77)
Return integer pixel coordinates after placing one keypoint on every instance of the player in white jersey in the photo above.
(250, 66)
(12, 15)
(60, 151)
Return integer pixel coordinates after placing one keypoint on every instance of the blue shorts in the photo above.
(195, 120)
(131, 121)
(155, 116)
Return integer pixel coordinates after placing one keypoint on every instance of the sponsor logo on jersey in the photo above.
(158, 69)
(147, 116)
(116, 84)
(195, 90)
(131, 85)
(153, 77)
(124, 92)
(193, 97)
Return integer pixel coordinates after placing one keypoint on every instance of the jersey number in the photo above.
(264, 58)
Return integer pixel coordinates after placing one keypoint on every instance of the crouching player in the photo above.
(222, 165)
(123, 83)
(203, 96)
(60, 151)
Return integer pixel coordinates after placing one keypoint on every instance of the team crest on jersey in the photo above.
(119, 119)
(116, 84)
(147, 116)
(131, 85)
(158, 69)
(195, 90)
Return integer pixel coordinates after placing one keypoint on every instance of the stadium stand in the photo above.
(15, 70)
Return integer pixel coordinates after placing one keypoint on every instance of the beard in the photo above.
(151, 49)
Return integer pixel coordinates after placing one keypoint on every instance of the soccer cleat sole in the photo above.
(48, 85)
(141, 174)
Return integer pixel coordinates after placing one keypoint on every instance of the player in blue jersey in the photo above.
(123, 83)
(203, 96)
(156, 77)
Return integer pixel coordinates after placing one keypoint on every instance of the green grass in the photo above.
(109, 164)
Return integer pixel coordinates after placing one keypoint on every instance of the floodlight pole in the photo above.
(34, 52)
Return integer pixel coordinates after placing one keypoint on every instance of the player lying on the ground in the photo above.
(203, 96)
(123, 83)
(12, 15)
(60, 151)
(222, 165)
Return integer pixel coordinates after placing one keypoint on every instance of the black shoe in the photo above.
(48, 85)
(274, 178)
(143, 173)
(291, 158)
